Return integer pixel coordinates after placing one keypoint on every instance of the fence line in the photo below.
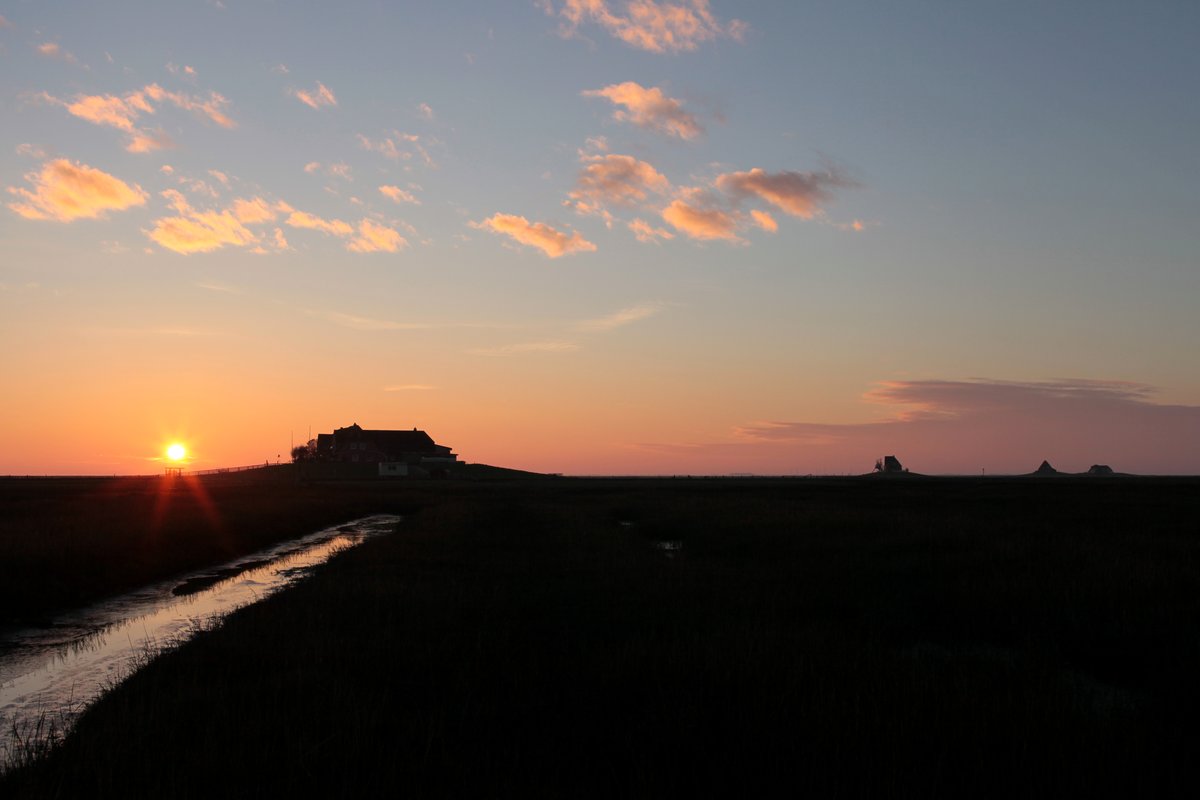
(223, 470)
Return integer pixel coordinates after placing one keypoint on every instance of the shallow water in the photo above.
(49, 675)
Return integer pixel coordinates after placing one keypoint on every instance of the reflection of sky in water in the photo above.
(51, 673)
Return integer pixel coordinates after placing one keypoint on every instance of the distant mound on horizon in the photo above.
(482, 472)
(1046, 469)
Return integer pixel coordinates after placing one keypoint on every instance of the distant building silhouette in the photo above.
(396, 452)
(1100, 469)
(889, 464)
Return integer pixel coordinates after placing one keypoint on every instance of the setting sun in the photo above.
(176, 452)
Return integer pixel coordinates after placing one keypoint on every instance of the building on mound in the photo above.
(1100, 469)
(889, 464)
(1046, 469)
(397, 453)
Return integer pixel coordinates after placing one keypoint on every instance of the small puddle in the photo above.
(49, 675)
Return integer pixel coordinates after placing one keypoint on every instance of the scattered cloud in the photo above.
(194, 231)
(398, 147)
(398, 195)
(425, 111)
(185, 70)
(375, 238)
(30, 151)
(657, 27)
(623, 317)
(536, 234)
(647, 233)
(280, 69)
(53, 50)
(221, 176)
(649, 108)
(312, 166)
(317, 98)
(801, 194)
(700, 223)
(123, 112)
(65, 191)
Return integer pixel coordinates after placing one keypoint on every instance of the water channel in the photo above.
(49, 675)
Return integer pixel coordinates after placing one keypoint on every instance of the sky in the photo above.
(603, 236)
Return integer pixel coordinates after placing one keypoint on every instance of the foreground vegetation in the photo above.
(592, 637)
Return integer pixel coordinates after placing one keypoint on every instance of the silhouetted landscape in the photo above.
(565, 636)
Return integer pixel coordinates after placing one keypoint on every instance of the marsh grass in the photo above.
(934, 639)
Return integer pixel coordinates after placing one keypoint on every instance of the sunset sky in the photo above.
(603, 236)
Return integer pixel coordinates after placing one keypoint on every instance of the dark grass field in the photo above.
(857, 637)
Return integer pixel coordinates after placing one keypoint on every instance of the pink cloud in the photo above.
(658, 27)
(65, 191)
(375, 238)
(764, 220)
(944, 426)
(123, 112)
(615, 180)
(800, 194)
(536, 234)
(699, 223)
(149, 141)
(317, 98)
(649, 108)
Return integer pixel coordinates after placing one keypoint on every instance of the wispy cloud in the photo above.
(658, 27)
(30, 151)
(399, 146)
(425, 111)
(645, 232)
(65, 191)
(623, 317)
(525, 347)
(649, 108)
(318, 98)
(552, 242)
(53, 50)
(359, 323)
(398, 195)
(218, 287)
(801, 194)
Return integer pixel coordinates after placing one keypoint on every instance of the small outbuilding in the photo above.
(889, 464)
